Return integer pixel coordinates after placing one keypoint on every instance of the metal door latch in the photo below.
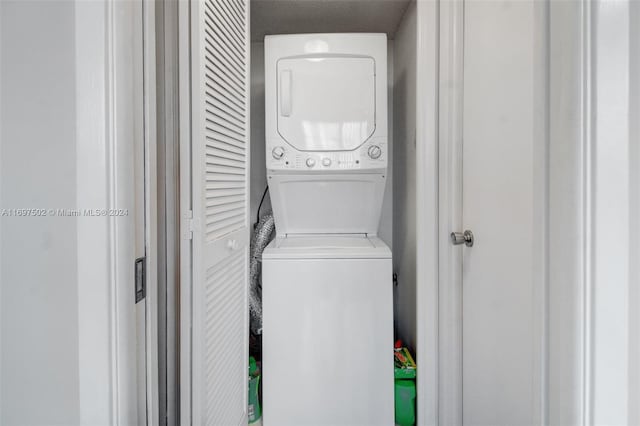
(140, 280)
(465, 237)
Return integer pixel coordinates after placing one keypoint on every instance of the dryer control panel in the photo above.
(372, 155)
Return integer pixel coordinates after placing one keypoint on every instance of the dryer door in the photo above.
(326, 103)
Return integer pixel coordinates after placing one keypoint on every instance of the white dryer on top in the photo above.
(326, 131)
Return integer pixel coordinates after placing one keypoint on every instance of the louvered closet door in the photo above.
(220, 173)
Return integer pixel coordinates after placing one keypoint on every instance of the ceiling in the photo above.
(329, 16)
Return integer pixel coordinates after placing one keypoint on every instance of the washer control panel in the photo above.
(370, 155)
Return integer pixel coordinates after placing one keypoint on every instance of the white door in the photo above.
(219, 188)
(502, 176)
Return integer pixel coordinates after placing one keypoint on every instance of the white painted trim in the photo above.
(608, 212)
(184, 72)
(196, 185)
(610, 223)
(540, 216)
(586, 213)
(168, 206)
(98, 271)
(634, 223)
(106, 134)
(151, 209)
(248, 216)
(450, 106)
(427, 310)
(1, 236)
(569, 228)
(121, 112)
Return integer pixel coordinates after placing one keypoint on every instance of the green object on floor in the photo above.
(254, 381)
(405, 396)
(405, 387)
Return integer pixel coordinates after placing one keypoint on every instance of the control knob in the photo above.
(277, 152)
(326, 162)
(374, 152)
(311, 162)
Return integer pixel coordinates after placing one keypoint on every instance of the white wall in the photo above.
(613, 280)
(258, 166)
(67, 330)
(385, 230)
(404, 175)
(634, 213)
(38, 263)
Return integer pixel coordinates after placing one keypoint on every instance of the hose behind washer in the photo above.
(262, 236)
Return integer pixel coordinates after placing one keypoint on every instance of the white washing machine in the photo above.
(327, 278)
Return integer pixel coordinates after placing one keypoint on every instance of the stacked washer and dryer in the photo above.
(327, 277)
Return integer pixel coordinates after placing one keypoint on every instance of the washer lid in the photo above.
(326, 102)
(325, 204)
(327, 247)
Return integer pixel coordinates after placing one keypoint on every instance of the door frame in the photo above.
(185, 243)
(439, 268)
(144, 67)
(151, 208)
(106, 66)
(106, 306)
(166, 32)
(427, 214)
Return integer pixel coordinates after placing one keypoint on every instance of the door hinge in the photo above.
(187, 225)
(140, 280)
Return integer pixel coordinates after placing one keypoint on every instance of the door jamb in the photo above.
(439, 109)
(184, 95)
(428, 186)
(166, 33)
(151, 208)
